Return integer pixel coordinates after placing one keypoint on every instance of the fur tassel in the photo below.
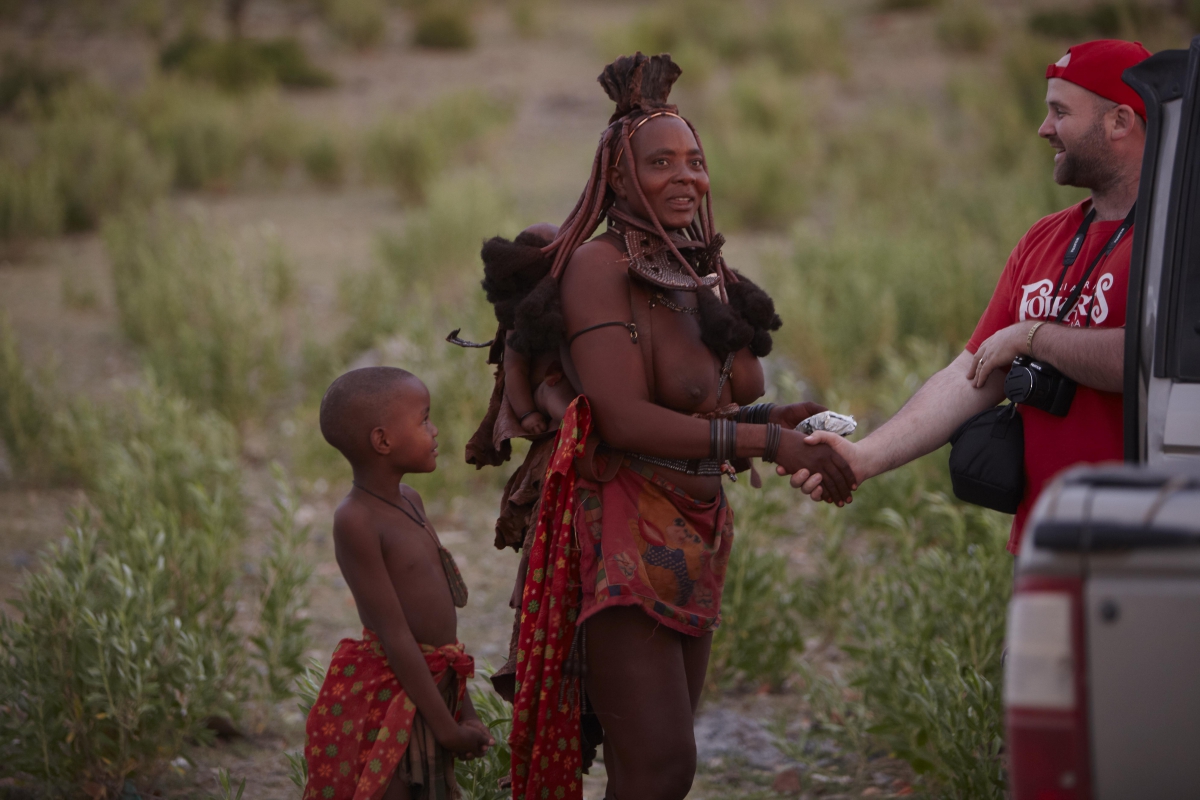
(538, 320)
(757, 309)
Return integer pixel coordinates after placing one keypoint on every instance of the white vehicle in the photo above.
(1102, 677)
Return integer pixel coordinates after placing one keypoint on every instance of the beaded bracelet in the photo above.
(774, 438)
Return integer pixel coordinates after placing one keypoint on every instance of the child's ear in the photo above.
(380, 441)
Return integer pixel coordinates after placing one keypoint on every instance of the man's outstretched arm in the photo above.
(945, 401)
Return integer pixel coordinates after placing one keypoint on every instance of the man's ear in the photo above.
(1125, 122)
(380, 441)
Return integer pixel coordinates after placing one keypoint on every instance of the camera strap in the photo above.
(1073, 251)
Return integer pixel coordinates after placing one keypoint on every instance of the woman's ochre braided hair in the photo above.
(744, 315)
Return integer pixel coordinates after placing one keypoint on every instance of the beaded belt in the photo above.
(696, 466)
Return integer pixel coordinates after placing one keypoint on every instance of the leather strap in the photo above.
(639, 305)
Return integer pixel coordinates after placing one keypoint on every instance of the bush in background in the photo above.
(443, 26)
(199, 315)
(241, 64)
(360, 23)
(75, 157)
(409, 152)
(125, 642)
(1125, 18)
(964, 26)
(284, 573)
(796, 36)
(761, 150)
(44, 443)
(927, 634)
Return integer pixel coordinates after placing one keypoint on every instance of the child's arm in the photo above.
(360, 556)
(520, 396)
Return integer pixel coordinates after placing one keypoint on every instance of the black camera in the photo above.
(1037, 384)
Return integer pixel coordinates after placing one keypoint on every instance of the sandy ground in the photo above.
(541, 158)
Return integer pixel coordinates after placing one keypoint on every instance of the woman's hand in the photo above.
(837, 479)
(790, 416)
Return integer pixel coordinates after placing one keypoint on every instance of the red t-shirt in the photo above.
(1092, 429)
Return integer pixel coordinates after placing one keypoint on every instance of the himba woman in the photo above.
(624, 567)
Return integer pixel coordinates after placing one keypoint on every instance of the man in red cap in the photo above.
(1060, 298)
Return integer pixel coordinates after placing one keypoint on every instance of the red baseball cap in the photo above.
(1097, 67)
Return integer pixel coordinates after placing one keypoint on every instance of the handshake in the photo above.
(814, 453)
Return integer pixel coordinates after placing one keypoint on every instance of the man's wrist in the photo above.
(1033, 329)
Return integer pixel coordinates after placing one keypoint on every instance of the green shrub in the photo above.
(240, 64)
(410, 152)
(72, 161)
(30, 83)
(282, 636)
(927, 635)
(196, 130)
(124, 642)
(30, 204)
(443, 27)
(25, 421)
(528, 17)
(761, 629)
(101, 161)
(210, 140)
(44, 443)
(801, 37)
(964, 26)
(361, 23)
(1108, 19)
(907, 5)
(200, 316)
(325, 162)
(761, 151)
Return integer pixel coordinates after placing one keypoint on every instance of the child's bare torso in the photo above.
(414, 565)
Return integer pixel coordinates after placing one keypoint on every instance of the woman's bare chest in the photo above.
(686, 372)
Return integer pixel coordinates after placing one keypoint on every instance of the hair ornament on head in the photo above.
(640, 86)
(525, 292)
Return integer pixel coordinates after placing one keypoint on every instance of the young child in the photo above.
(393, 710)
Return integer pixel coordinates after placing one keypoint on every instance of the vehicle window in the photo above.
(1183, 355)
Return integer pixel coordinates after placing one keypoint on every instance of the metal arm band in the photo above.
(722, 439)
(774, 438)
(757, 414)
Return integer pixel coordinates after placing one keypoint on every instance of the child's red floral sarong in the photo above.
(360, 726)
(546, 756)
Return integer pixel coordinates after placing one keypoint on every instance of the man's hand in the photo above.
(810, 482)
(797, 454)
(469, 739)
(998, 352)
(790, 416)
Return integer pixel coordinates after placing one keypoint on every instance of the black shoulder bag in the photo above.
(987, 452)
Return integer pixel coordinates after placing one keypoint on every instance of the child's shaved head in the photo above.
(354, 405)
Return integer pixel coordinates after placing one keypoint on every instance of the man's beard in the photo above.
(1087, 163)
